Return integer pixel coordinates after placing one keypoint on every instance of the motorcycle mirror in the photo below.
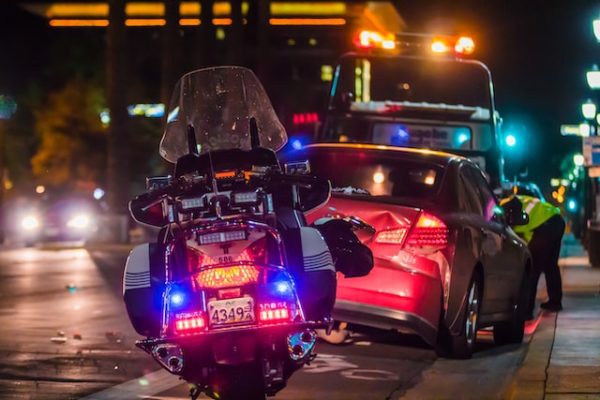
(297, 168)
(158, 182)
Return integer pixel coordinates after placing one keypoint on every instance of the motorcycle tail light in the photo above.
(392, 236)
(274, 312)
(220, 277)
(189, 323)
(428, 231)
(255, 253)
(197, 260)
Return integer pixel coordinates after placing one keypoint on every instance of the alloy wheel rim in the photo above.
(472, 314)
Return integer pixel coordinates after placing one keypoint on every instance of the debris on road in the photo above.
(77, 336)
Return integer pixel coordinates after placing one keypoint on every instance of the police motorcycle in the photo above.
(230, 295)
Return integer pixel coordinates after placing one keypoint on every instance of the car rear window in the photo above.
(373, 173)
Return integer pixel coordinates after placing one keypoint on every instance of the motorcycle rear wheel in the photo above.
(240, 382)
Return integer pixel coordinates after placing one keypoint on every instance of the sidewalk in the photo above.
(563, 360)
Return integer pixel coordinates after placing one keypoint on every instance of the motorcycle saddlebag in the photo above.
(143, 286)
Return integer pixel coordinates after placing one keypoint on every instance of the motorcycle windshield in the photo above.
(219, 103)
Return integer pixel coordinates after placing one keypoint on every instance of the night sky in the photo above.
(538, 52)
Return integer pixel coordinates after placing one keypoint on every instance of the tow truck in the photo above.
(416, 90)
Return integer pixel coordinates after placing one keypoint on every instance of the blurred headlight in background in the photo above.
(30, 223)
(79, 221)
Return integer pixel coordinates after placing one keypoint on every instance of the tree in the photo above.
(72, 147)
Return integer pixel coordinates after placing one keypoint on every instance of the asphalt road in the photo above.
(64, 334)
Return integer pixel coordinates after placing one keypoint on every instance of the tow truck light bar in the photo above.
(462, 46)
(372, 40)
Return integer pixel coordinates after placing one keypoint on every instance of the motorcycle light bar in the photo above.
(221, 237)
(245, 198)
(221, 277)
(270, 312)
(188, 204)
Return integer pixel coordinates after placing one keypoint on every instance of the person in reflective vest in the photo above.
(543, 234)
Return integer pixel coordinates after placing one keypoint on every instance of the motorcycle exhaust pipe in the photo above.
(301, 344)
(170, 356)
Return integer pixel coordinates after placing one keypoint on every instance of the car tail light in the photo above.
(274, 312)
(220, 277)
(428, 231)
(189, 323)
(392, 236)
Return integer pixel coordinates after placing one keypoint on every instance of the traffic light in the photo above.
(510, 140)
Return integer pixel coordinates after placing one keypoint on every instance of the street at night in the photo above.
(298, 200)
(84, 344)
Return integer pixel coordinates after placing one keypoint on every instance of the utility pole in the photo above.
(236, 36)
(206, 35)
(116, 84)
(171, 51)
(262, 40)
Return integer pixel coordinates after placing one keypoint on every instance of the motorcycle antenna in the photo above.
(254, 139)
(191, 139)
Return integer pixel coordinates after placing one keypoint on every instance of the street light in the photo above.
(593, 78)
(597, 29)
(578, 160)
(588, 109)
(510, 140)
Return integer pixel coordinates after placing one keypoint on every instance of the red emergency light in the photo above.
(305, 118)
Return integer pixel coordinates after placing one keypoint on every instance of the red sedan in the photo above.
(447, 262)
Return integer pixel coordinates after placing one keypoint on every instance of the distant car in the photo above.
(59, 219)
(523, 188)
(446, 261)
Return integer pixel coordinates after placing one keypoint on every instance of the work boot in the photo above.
(551, 306)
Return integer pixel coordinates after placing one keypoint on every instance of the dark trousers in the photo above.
(545, 251)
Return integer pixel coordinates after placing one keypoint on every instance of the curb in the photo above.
(529, 382)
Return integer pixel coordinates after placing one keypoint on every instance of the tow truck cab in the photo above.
(397, 94)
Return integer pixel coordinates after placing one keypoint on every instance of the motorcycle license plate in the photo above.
(231, 311)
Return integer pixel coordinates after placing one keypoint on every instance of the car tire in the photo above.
(461, 346)
(512, 331)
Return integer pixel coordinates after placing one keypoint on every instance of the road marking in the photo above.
(161, 381)
(328, 363)
(363, 343)
(147, 385)
(370, 375)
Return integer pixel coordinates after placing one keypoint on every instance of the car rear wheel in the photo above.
(461, 346)
(512, 331)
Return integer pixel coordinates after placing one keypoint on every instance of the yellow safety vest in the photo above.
(539, 212)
